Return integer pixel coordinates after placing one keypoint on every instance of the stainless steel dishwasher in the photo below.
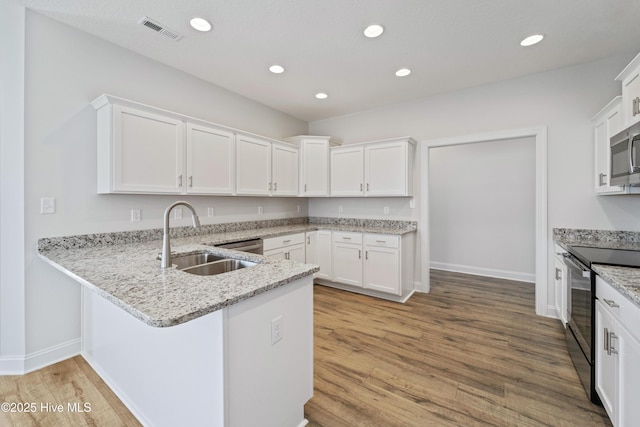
(253, 246)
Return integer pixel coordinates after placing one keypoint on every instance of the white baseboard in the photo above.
(20, 365)
(487, 272)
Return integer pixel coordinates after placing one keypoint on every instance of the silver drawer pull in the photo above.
(610, 303)
(346, 238)
(286, 241)
(381, 241)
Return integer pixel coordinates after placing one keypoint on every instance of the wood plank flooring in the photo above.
(70, 381)
(471, 352)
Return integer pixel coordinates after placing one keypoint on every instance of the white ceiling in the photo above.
(448, 44)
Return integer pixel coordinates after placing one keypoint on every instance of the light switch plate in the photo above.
(210, 212)
(135, 215)
(47, 205)
(177, 213)
(276, 330)
(412, 203)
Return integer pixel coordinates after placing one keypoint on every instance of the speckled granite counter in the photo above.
(626, 280)
(122, 267)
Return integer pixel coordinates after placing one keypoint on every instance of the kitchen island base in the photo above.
(227, 368)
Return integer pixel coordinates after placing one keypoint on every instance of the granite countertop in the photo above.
(123, 268)
(625, 279)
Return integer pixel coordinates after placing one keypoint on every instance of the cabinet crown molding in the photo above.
(630, 68)
(299, 138)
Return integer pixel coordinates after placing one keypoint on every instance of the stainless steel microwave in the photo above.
(625, 157)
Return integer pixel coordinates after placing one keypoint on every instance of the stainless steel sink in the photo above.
(218, 267)
(206, 264)
(190, 260)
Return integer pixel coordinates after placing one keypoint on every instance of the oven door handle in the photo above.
(586, 273)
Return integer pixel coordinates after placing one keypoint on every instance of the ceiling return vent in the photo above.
(159, 28)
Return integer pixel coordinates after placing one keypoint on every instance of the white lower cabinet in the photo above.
(561, 287)
(290, 247)
(382, 264)
(617, 355)
(346, 258)
(318, 252)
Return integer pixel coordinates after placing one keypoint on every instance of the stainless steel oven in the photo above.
(579, 333)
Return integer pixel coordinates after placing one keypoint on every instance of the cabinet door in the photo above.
(324, 254)
(148, 152)
(631, 92)
(385, 169)
(382, 269)
(606, 361)
(296, 253)
(253, 166)
(629, 389)
(210, 160)
(347, 171)
(562, 291)
(277, 253)
(311, 254)
(315, 168)
(284, 171)
(607, 123)
(346, 263)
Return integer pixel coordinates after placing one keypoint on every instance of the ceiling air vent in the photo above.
(159, 28)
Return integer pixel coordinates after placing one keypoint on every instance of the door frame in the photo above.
(541, 238)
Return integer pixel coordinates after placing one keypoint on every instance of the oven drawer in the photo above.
(623, 309)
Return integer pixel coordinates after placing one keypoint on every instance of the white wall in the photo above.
(66, 70)
(564, 100)
(12, 271)
(482, 194)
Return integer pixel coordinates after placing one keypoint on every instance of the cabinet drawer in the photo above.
(347, 237)
(624, 310)
(282, 241)
(382, 240)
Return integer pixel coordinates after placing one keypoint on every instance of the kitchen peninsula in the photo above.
(182, 349)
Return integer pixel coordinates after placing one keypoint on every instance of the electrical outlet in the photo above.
(177, 213)
(47, 205)
(135, 215)
(276, 330)
(340, 209)
(386, 210)
(412, 203)
(260, 210)
(210, 212)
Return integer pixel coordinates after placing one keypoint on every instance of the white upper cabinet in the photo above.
(210, 160)
(388, 168)
(314, 164)
(284, 170)
(139, 151)
(606, 123)
(376, 169)
(347, 171)
(253, 166)
(630, 78)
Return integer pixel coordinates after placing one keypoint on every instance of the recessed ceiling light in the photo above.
(200, 24)
(531, 40)
(373, 31)
(321, 95)
(403, 72)
(276, 69)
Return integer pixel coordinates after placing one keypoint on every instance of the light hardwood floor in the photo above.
(472, 352)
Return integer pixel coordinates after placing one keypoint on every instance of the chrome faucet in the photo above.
(166, 245)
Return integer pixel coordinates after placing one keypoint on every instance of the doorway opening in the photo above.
(540, 233)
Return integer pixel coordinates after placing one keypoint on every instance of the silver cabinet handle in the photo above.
(610, 303)
(603, 179)
(305, 187)
(180, 181)
(270, 186)
(359, 254)
(346, 238)
(612, 349)
(381, 241)
(366, 254)
(367, 186)
(286, 241)
(275, 186)
(308, 240)
(191, 182)
(558, 274)
(606, 340)
(360, 187)
(636, 106)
